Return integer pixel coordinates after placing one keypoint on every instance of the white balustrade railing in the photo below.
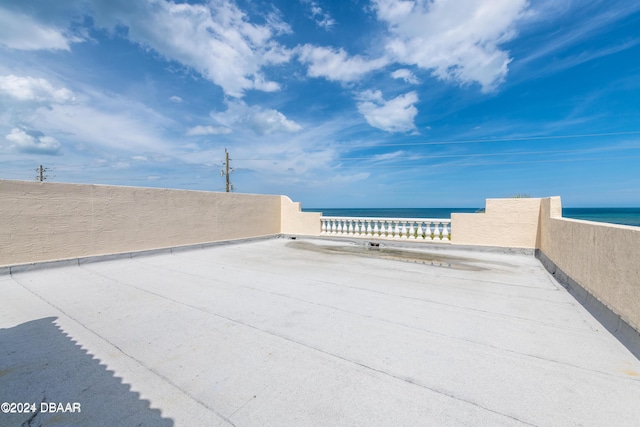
(388, 228)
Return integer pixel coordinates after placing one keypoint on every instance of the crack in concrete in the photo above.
(28, 421)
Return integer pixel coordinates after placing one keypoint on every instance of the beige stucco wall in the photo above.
(505, 223)
(602, 258)
(294, 221)
(50, 221)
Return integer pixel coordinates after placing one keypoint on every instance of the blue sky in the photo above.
(351, 103)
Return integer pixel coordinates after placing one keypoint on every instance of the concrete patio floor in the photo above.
(309, 332)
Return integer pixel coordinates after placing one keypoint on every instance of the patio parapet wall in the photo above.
(598, 263)
(44, 221)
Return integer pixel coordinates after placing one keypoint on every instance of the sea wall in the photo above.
(43, 221)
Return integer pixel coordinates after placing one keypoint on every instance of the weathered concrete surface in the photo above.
(272, 333)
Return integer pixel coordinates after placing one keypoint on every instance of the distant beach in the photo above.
(625, 216)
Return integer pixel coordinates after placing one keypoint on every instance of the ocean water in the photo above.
(626, 216)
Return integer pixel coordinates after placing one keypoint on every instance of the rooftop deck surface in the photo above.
(309, 332)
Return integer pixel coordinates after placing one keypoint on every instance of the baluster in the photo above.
(376, 230)
(412, 231)
(368, 231)
(350, 230)
(430, 231)
(445, 231)
(421, 230)
(323, 226)
(439, 230)
(333, 226)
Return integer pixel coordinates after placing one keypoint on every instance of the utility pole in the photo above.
(227, 171)
(41, 176)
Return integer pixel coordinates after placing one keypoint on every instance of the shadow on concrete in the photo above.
(41, 365)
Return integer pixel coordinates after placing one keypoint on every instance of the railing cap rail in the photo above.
(369, 218)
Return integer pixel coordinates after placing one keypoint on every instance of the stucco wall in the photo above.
(602, 258)
(294, 221)
(50, 221)
(509, 223)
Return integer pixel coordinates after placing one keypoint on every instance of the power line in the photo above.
(471, 141)
(436, 156)
(490, 163)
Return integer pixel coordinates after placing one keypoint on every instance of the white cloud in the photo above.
(110, 124)
(341, 179)
(34, 89)
(335, 64)
(261, 121)
(395, 115)
(216, 39)
(19, 31)
(121, 165)
(458, 40)
(388, 156)
(320, 16)
(208, 130)
(32, 142)
(175, 99)
(266, 122)
(282, 159)
(405, 75)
